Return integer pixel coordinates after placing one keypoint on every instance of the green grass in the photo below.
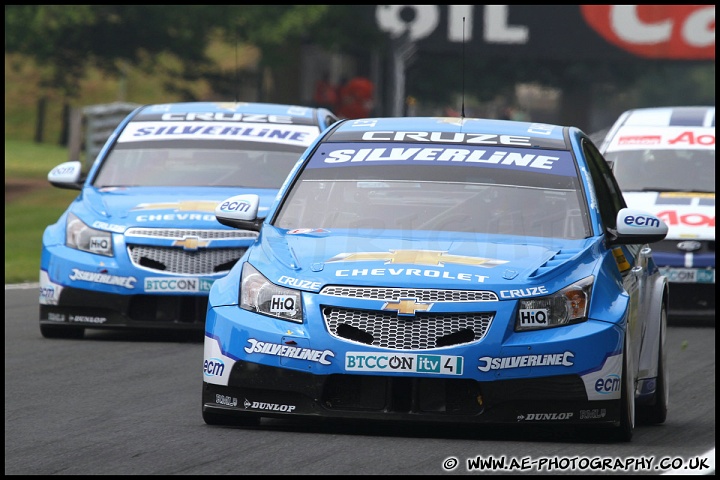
(31, 160)
(27, 216)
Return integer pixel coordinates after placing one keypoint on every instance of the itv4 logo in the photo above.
(445, 364)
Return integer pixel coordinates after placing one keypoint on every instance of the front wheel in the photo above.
(624, 431)
(627, 397)
(656, 411)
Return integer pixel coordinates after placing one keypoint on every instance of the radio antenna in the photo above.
(237, 80)
(462, 108)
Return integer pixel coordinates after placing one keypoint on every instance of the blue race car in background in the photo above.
(140, 246)
(451, 270)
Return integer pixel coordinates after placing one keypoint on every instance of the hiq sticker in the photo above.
(283, 304)
(100, 244)
(531, 317)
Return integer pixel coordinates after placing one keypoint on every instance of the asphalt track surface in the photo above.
(123, 403)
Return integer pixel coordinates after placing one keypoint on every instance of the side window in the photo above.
(330, 120)
(610, 199)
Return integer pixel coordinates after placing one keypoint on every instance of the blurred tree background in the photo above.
(63, 56)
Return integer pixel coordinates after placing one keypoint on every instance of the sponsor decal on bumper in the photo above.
(404, 362)
(688, 275)
(179, 284)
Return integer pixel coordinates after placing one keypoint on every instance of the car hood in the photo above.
(161, 207)
(311, 259)
(689, 215)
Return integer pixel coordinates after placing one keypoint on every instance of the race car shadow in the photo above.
(678, 321)
(139, 335)
(555, 434)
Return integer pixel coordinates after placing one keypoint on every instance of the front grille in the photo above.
(419, 332)
(180, 233)
(420, 294)
(671, 246)
(178, 261)
(182, 260)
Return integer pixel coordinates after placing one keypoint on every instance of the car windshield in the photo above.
(197, 163)
(462, 198)
(664, 170)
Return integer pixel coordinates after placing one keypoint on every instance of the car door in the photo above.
(632, 260)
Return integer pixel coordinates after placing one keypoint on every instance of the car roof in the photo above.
(299, 114)
(668, 118)
(476, 131)
(681, 116)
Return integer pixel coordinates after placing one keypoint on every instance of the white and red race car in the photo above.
(664, 161)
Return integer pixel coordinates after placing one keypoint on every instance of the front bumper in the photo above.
(258, 366)
(692, 292)
(259, 390)
(91, 309)
(692, 301)
(80, 289)
(691, 276)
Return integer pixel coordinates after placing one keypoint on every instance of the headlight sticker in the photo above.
(101, 245)
(284, 304)
(534, 317)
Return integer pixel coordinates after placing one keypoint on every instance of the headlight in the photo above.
(258, 294)
(81, 237)
(569, 305)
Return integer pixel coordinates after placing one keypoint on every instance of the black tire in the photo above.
(624, 432)
(656, 411)
(235, 420)
(61, 331)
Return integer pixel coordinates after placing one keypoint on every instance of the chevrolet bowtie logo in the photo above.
(184, 206)
(417, 257)
(191, 243)
(407, 306)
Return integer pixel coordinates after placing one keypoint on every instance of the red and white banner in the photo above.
(563, 32)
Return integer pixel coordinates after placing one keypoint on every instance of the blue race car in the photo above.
(451, 270)
(140, 246)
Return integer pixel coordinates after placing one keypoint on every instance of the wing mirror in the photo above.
(637, 226)
(240, 212)
(67, 175)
